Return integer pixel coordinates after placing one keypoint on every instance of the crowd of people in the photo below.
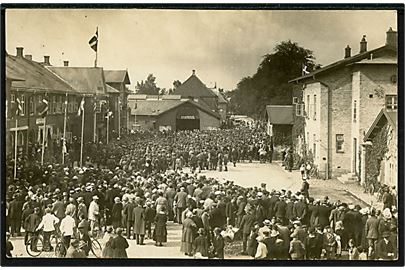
(131, 188)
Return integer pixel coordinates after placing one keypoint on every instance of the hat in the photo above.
(116, 199)
(387, 213)
(95, 197)
(80, 199)
(259, 238)
(110, 229)
(189, 214)
(267, 222)
(201, 231)
(297, 222)
(351, 206)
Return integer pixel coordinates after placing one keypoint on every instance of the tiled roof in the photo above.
(341, 63)
(194, 87)
(116, 76)
(86, 80)
(155, 107)
(280, 114)
(380, 60)
(34, 76)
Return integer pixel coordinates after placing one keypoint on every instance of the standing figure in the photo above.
(139, 223)
(187, 238)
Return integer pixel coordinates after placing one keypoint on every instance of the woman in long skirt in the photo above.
(160, 232)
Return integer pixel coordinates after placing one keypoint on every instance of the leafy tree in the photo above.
(176, 84)
(148, 87)
(269, 85)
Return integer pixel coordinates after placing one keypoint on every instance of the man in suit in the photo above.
(246, 225)
(371, 231)
(14, 215)
(128, 212)
(181, 203)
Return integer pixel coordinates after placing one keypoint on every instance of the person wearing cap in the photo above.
(301, 209)
(31, 222)
(150, 213)
(280, 209)
(187, 237)
(180, 200)
(94, 214)
(71, 208)
(81, 208)
(14, 215)
(116, 213)
(128, 213)
(200, 244)
(139, 223)
(48, 223)
(58, 207)
(119, 245)
(297, 248)
(371, 231)
(246, 225)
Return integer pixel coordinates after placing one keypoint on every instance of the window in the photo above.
(299, 110)
(32, 105)
(355, 111)
(58, 104)
(24, 109)
(295, 100)
(340, 143)
(314, 116)
(307, 105)
(391, 102)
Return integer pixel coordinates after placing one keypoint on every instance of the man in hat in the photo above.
(180, 200)
(246, 225)
(305, 187)
(14, 215)
(280, 208)
(301, 209)
(93, 214)
(128, 212)
(81, 208)
(139, 222)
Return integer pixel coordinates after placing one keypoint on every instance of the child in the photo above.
(218, 243)
(200, 244)
(362, 254)
(353, 251)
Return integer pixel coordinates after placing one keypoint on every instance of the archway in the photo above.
(187, 118)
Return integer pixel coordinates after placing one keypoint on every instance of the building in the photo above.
(194, 89)
(222, 104)
(362, 85)
(382, 135)
(279, 121)
(119, 79)
(170, 113)
(30, 82)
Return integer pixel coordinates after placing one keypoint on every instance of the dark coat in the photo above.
(129, 212)
(160, 232)
(289, 212)
(371, 230)
(247, 223)
(181, 199)
(116, 212)
(15, 209)
(323, 215)
(300, 210)
(119, 244)
(383, 248)
(280, 209)
(219, 244)
(216, 219)
(32, 222)
(201, 245)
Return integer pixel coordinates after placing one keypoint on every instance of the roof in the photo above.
(117, 76)
(86, 80)
(221, 98)
(383, 117)
(381, 60)
(155, 107)
(111, 90)
(280, 114)
(32, 75)
(342, 63)
(194, 87)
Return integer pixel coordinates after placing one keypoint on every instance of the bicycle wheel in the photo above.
(96, 248)
(34, 246)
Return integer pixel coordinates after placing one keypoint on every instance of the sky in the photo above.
(222, 46)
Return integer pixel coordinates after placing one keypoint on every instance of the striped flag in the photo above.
(43, 108)
(93, 42)
(81, 108)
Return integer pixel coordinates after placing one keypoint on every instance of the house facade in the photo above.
(340, 102)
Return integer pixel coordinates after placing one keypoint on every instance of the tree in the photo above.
(176, 84)
(269, 85)
(148, 87)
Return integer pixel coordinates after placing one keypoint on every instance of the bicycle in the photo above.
(35, 244)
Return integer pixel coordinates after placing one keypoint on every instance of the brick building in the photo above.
(341, 100)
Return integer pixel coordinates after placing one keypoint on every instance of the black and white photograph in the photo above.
(202, 134)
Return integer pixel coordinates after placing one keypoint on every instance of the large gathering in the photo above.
(140, 184)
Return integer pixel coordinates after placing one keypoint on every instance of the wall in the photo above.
(207, 121)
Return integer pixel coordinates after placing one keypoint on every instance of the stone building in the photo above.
(280, 120)
(341, 100)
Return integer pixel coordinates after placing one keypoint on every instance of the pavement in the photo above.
(244, 174)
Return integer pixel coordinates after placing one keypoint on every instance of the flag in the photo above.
(43, 108)
(304, 70)
(109, 114)
(19, 108)
(64, 148)
(81, 107)
(94, 41)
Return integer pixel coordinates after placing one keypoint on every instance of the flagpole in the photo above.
(64, 131)
(43, 142)
(94, 126)
(95, 62)
(15, 148)
(81, 140)
(119, 118)
(108, 118)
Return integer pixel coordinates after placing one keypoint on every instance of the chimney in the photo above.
(20, 51)
(46, 60)
(348, 52)
(65, 63)
(363, 44)
(392, 38)
(194, 72)
(28, 57)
